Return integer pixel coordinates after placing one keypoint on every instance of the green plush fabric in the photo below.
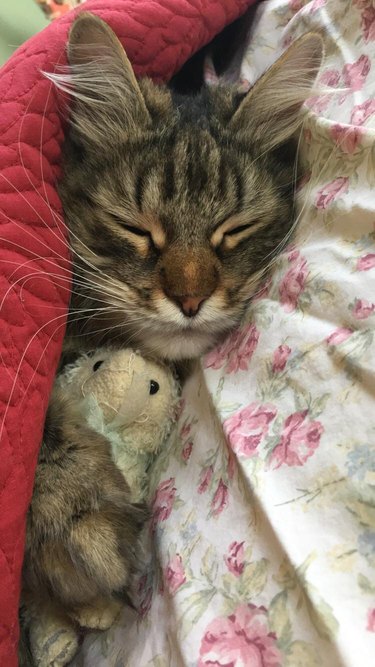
(19, 20)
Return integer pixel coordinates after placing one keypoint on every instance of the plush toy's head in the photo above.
(132, 400)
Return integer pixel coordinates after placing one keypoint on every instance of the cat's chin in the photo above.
(179, 346)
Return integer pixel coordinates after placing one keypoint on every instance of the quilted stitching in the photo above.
(34, 265)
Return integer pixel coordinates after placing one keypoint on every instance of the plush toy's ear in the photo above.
(109, 103)
(270, 112)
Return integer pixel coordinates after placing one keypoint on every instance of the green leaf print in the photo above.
(286, 576)
(320, 613)
(301, 654)
(318, 405)
(362, 505)
(279, 620)
(196, 605)
(254, 578)
(365, 584)
(209, 565)
(159, 661)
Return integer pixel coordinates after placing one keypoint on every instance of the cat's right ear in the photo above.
(272, 110)
(109, 105)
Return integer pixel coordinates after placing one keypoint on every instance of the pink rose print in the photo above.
(361, 112)
(307, 135)
(347, 137)
(293, 283)
(174, 574)
(243, 86)
(205, 479)
(145, 593)
(145, 604)
(242, 639)
(363, 309)
(263, 290)
(331, 77)
(366, 262)
(185, 430)
(186, 452)
(220, 499)
(280, 357)
(235, 558)
(368, 22)
(293, 254)
(295, 5)
(306, 178)
(180, 408)
(332, 191)
(236, 351)
(355, 74)
(371, 620)
(338, 336)
(163, 500)
(316, 4)
(231, 467)
(318, 103)
(299, 440)
(246, 428)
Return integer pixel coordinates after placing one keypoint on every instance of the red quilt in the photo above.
(159, 35)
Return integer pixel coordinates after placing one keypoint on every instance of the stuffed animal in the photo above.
(129, 399)
(132, 401)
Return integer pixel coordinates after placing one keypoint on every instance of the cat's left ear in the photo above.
(271, 111)
(102, 81)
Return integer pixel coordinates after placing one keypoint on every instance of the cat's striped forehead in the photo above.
(186, 185)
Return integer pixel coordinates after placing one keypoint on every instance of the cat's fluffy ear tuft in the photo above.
(271, 111)
(108, 104)
(88, 37)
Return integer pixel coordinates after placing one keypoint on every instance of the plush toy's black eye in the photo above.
(154, 387)
(97, 365)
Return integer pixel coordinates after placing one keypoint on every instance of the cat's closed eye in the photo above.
(132, 229)
(231, 232)
(238, 230)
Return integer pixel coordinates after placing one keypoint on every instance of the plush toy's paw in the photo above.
(53, 641)
(100, 615)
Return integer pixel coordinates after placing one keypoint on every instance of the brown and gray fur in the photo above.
(176, 206)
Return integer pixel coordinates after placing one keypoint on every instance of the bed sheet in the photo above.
(263, 531)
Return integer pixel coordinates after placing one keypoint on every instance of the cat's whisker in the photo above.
(105, 282)
(83, 313)
(35, 335)
(96, 270)
(55, 215)
(306, 203)
(87, 284)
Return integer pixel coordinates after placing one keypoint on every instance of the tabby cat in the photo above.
(175, 206)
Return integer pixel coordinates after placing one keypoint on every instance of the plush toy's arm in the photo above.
(82, 531)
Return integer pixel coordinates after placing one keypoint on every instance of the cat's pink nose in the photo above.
(190, 304)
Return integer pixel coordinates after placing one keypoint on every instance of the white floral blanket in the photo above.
(263, 537)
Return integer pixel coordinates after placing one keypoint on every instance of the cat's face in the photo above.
(175, 205)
